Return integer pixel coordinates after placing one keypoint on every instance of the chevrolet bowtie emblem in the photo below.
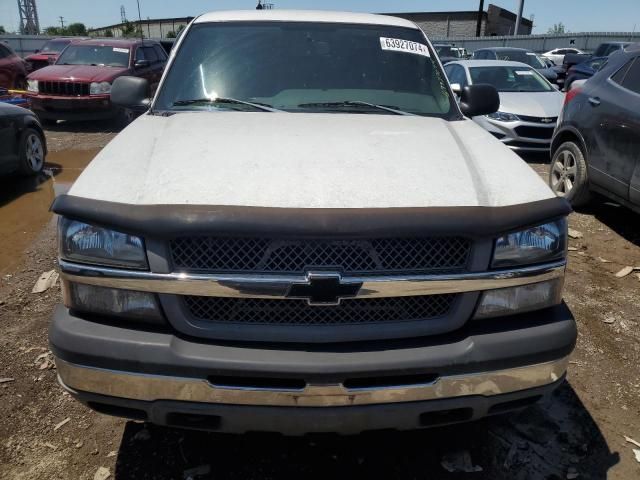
(324, 289)
(546, 120)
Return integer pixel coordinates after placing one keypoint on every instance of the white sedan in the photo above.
(529, 104)
(557, 55)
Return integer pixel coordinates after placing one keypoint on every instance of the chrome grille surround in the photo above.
(362, 257)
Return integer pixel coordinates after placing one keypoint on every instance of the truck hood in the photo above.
(313, 160)
(78, 73)
(538, 104)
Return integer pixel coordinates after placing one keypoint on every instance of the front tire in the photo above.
(568, 175)
(32, 152)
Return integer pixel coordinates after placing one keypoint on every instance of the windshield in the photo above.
(94, 55)
(510, 79)
(55, 45)
(305, 67)
(529, 58)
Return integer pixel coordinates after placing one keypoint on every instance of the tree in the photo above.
(557, 28)
(76, 29)
(171, 34)
(53, 31)
(108, 33)
(2, 30)
(130, 30)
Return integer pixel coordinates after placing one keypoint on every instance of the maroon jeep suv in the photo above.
(78, 85)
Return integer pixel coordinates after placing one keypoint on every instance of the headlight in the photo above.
(32, 86)
(514, 300)
(503, 117)
(80, 242)
(99, 88)
(544, 243)
(113, 302)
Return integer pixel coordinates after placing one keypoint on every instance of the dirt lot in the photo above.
(578, 433)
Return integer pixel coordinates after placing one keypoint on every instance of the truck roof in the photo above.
(303, 16)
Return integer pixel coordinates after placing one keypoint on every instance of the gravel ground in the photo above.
(580, 430)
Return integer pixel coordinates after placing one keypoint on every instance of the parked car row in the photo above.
(561, 66)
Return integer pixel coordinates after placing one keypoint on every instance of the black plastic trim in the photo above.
(168, 221)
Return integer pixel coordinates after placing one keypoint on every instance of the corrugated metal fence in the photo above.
(25, 44)
(587, 41)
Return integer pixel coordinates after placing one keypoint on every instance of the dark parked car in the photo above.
(447, 53)
(22, 143)
(583, 71)
(78, 86)
(596, 147)
(50, 51)
(13, 69)
(517, 55)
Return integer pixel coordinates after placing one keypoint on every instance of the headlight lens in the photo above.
(514, 300)
(544, 243)
(32, 86)
(503, 117)
(99, 88)
(113, 302)
(84, 243)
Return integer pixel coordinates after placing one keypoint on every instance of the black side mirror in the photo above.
(479, 99)
(37, 50)
(131, 92)
(141, 64)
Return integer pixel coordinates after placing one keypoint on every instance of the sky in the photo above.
(577, 15)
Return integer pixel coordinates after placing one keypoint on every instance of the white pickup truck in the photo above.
(303, 232)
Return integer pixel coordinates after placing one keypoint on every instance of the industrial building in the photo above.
(151, 27)
(496, 21)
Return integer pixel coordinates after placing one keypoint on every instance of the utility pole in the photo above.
(29, 24)
(140, 22)
(480, 15)
(519, 17)
(61, 22)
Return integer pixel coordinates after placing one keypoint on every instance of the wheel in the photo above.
(568, 175)
(31, 152)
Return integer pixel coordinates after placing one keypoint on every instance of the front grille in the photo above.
(548, 120)
(72, 89)
(541, 133)
(386, 255)
(298, 312)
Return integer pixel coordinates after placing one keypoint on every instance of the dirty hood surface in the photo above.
(308, 160)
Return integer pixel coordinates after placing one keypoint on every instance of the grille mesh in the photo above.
(387, 255)
(297, 312)
(72, 89)
(543, 133)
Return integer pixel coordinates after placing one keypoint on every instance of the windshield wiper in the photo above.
(230, 101)
(354, 103)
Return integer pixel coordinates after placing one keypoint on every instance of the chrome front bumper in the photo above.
(149, 388)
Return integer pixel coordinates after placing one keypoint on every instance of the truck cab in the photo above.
(305, 232)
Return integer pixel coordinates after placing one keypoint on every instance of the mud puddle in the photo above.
(25, 202)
